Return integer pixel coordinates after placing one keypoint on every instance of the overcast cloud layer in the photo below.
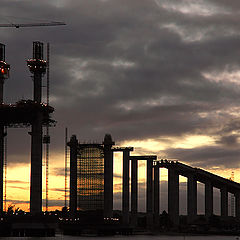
(136, 69)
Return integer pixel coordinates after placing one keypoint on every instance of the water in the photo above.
(139, 237)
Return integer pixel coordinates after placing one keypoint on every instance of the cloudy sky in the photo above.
(159, 75)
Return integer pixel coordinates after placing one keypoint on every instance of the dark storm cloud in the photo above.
(207, 157)
(134, 69)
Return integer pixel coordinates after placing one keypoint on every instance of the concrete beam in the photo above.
(134, 191)
(145, 157)
(208, 199)
(192, 198)
(125, 195)
(224, 201)
(173, 196)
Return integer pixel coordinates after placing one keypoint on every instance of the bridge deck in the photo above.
(200, 175)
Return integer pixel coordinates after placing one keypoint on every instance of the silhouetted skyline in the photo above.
(161, 76)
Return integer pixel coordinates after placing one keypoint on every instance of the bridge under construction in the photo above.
(26, 113)
(153, 165)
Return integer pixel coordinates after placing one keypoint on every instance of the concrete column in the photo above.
(149, 194)
(173, 196)
(224, 201)
(134, 191)
(73, 144)
(156, 195)
(1, 89)
(125, 195)
(108, 176)
(36, 166)
(37, 87)
(237, 205)
(191, 198)
(208, 199)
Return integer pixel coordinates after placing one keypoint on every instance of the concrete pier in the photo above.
(208, 199)
(149, 191)
(37, 67)
(156, 196)
(36, 166)
(125, 201)
(108, 175)
(73, 144)
(237, 204)
(173, 196)
(134, 191)
(191, 198)
(224, 201)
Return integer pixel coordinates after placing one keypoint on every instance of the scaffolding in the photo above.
(90, 177)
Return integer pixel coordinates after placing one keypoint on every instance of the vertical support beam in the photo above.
(38, 67)
(73, 144)
(191, 198)
(208, 199)
(224, 201)
(108, 176)
(37, 87)
(134, 191)
(156, 194)
(237, 205)
(36, 166)
(149, 194)
(173, 196)
(125, 196)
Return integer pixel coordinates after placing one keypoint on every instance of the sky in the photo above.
(161, 76)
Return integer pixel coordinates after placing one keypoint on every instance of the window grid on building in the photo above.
(90, 177)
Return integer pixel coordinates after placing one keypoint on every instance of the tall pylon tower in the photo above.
(37, 67)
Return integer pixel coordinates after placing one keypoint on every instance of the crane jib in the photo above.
(18, 25)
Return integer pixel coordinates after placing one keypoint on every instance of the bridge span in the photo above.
(193, 175)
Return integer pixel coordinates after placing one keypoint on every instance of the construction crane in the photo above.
(41, 24)
(46, 138)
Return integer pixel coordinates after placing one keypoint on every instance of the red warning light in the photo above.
(2, 70)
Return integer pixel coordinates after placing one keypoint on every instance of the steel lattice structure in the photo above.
(90, 177)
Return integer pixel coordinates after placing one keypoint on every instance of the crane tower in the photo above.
(4, 74)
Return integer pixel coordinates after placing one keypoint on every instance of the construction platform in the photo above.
(24, 113)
